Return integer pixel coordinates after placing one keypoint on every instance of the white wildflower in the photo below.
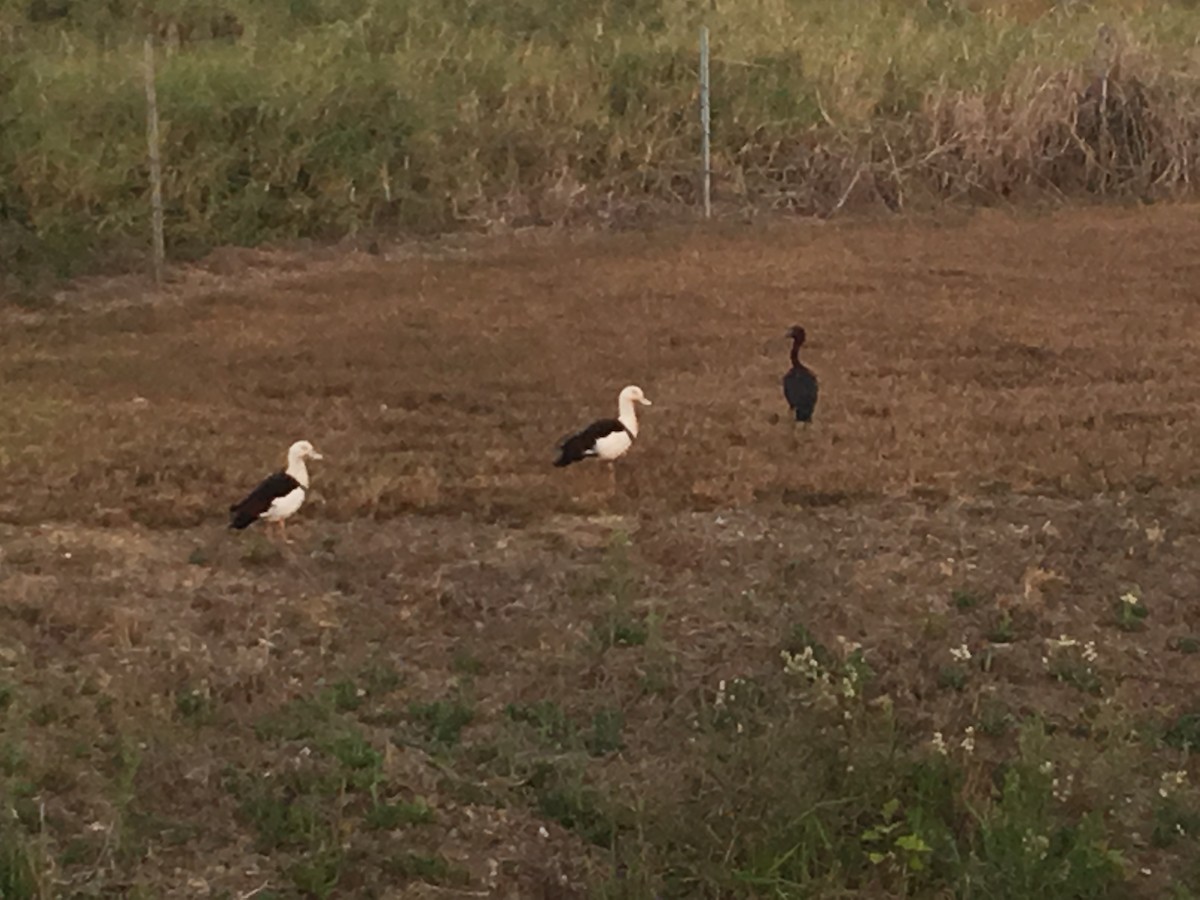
(1036, 844)
(1046, 768)
(939, 743)
(1129, 599)
(961, 653)
(1171, 782)
(719, 703)
(1062, 789)
(848, 647)
(1089, 652)
(968, 741)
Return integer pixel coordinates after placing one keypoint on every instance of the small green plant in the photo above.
(443, 720)
(1003, 631)
(380, 678)
(1187, 644)
(562, 797)
(193, 705)
(1184, 732)
(465, 663)
(18, 877)
(361, 762)
(317, 874)
(390, 816)
(605, 734)
(298, 720)
(346, 696)
(894, 844)
(420, 867)
(549, 719)
(965, 600)
(1073, 663)
(952, 677)
(1130, 612)
(995, 718)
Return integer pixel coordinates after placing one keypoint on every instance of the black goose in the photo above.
(800, 384)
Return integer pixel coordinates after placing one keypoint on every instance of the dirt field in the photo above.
(1004, 446)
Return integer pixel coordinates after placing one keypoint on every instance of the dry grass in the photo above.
(1003, 447)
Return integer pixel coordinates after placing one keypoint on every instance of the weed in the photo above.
(1184, 732)
(605, 734)
(995, 719)
(1187, 644)
(298, 720)
(362, 762)
(346, 696)
(193, 705)
(443, 720)
(562, 797)
(18, 879)
(467, 664)
(317, 875)
(433, 869)
(1174, 821)
(1130, 612)
(952, 677)
(1003, 631)
(965, 600)
(1073, 663)
(390, 816)
(549, 719)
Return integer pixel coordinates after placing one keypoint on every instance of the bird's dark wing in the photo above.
(582, 444)
(259, 500)
(800, 388)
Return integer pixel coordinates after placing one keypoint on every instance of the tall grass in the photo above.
(323, 118)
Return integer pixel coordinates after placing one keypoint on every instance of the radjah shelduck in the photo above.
(279, 495)
(800, 384)
(605, 439)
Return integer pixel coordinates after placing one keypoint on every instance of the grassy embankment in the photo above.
(327, 119)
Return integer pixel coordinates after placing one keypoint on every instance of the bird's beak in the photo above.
(646, 402)
(316, 455)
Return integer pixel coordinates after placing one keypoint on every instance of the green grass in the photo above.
(329, 119)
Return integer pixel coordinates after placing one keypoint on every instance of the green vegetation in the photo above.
(326, 118)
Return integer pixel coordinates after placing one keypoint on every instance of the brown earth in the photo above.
(1007, 411)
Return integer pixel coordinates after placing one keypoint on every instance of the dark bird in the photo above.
(800, 384)
(605, 439)
(279, 495)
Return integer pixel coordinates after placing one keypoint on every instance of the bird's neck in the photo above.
(299, 471)
(795, 353)
(627, 415)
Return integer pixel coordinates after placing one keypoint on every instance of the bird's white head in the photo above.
(302, 450)
(633, 394)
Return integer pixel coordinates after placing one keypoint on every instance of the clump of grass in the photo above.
(442, 720)
(390, 816)
(1004, 630)
(548, 718)
(423, 867)
(337, 120)
(1187, 644)
(965, 600)
(193, 705)
(604, 736)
